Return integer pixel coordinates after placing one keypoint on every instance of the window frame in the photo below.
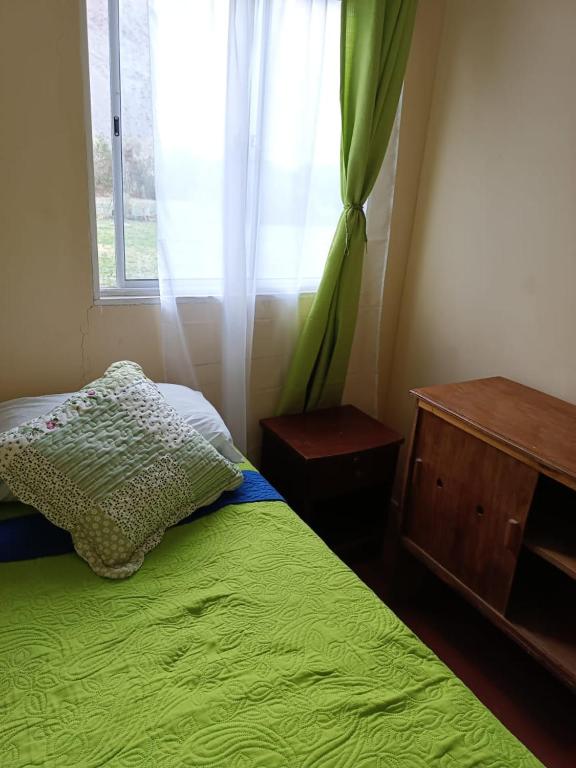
(126, 290)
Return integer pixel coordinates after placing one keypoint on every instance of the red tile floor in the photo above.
(538, 709)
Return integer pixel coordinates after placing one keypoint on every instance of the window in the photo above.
(193, 164)
(123, 145)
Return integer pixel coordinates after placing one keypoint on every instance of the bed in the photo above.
(241, 642)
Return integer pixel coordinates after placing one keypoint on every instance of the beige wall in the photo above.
(52, 337)
(416, 104)
(491, 280)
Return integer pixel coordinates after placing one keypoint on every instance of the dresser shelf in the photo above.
(541, 610)
(551, 548)
(551, 528)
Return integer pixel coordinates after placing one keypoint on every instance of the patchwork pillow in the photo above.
(115, 465)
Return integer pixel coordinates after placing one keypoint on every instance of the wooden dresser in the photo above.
(489, 505)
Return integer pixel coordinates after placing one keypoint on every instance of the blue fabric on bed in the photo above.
(23, 538)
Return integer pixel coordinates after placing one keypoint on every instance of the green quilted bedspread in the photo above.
(241, 643)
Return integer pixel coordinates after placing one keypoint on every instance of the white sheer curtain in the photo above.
(247, 134)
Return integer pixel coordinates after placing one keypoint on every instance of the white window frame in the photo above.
(126, 289)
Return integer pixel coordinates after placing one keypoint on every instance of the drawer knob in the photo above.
(416, 471)
(513, 535)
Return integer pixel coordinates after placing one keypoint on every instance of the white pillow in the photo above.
(190, 405)
(200, 414)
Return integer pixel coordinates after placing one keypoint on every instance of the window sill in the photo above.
(108, 300)
(115, 299)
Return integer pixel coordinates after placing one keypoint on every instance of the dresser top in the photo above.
(331, 432)
(539, 426)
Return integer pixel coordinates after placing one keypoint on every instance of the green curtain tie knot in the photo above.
(347, 209)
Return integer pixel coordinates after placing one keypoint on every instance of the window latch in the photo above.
(116, 125)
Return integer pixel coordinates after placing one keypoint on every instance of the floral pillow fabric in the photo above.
(115, 465)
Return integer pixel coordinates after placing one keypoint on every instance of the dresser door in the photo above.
(467, 504)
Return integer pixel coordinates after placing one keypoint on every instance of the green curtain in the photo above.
(375, 40)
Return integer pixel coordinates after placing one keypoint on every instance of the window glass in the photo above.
(166, 113)
(137, 142)
(98, 50)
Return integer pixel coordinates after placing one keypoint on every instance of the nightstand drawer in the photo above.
(339, 474)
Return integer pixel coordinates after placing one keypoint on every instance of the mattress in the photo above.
(242, 642)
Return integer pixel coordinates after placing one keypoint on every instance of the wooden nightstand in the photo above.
(335, 467)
